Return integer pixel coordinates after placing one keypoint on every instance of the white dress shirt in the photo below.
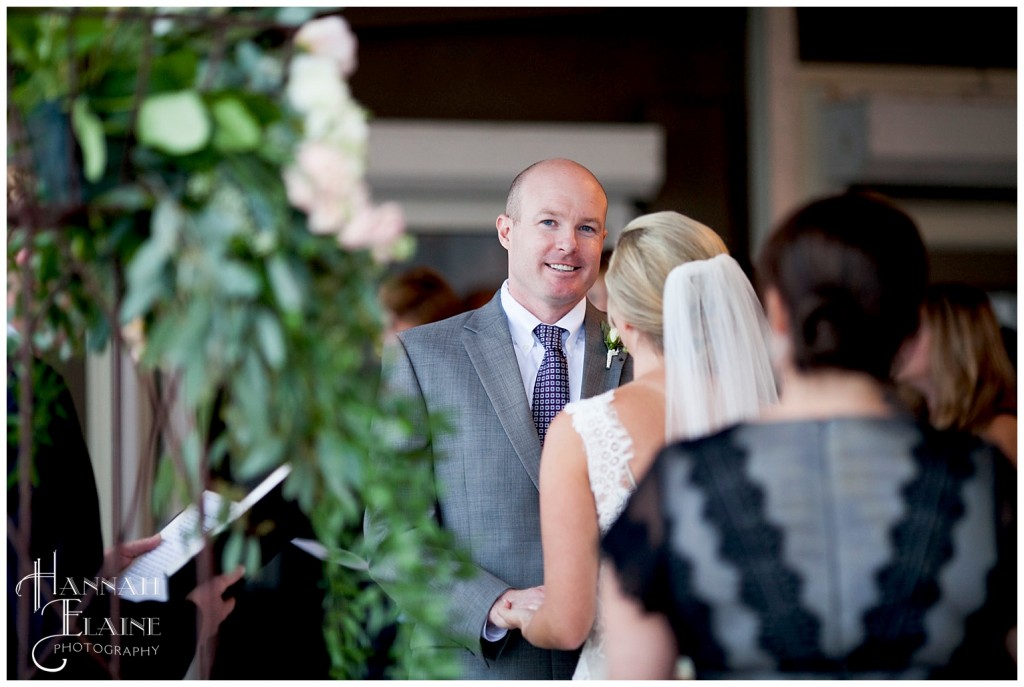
(530, 351)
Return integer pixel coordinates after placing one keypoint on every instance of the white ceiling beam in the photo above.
(453, 175)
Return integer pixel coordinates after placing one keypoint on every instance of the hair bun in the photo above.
(835, 331)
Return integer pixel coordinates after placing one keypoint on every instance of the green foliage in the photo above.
(52, 406)
(175, 123)
(89, 131)
(181, 224)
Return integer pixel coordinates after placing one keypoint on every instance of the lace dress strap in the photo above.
(609, 450)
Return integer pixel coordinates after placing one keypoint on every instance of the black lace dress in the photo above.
(846, 548)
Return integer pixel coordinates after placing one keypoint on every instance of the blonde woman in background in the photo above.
(692, 323)
(957, 362)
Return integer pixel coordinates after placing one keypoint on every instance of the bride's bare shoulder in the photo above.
(641, 409)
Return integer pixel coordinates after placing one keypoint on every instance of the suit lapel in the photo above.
(489, 345)
(597, 378)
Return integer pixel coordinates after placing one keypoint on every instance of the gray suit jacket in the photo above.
(486, 471)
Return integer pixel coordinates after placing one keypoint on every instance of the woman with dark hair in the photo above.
(834, 537)
(958, 365)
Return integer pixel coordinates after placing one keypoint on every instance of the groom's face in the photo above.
(554, 243)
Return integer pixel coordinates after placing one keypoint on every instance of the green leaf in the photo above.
(253, 555)
(88, 32)
(263, 242)
(191, 349)
(127, 198)
(267, 454)
(404, 248)
(163, 485)
(235, 279)
(232, 331)
(218, 449)
(89, 131)
(286, 287)
(22, 35)
(278, 144)
(175, 123)
(174, 71)
(249, 390)
(295, 16)
(141, 296)
(268, 77)
(147, 264)
(271, 339)
(301, 486)
(349, 559)
(233, 550)
(198, 383)
(218, 221)
(167, 223)
(191, 329)
(145, 271)
(330, 453)
(237, 130)
(190, 457)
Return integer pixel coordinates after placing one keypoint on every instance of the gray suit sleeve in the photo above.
(469, 599)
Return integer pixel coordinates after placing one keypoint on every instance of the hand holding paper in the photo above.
(182, 539)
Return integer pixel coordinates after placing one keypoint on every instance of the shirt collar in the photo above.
(521, 322)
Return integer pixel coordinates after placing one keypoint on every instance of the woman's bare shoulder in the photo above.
(1002, 432)
(641, 410)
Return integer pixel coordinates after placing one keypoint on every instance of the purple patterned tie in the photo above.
(551, 392)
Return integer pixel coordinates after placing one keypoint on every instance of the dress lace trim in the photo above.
(609, 450)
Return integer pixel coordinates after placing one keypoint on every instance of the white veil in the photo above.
(717, 368)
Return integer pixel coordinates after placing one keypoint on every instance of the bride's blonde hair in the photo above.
(647, 250)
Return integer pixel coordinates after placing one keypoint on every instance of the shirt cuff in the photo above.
(493, 633)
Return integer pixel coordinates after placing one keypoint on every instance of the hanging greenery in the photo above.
(189, 183)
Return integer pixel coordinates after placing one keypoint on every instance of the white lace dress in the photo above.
(609, 450)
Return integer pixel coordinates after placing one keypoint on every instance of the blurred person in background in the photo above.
(478, 298)
(958, 365)
(417, 296)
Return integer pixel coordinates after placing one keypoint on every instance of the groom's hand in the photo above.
(524, 599)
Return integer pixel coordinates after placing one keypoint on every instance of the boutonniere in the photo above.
(612, 342)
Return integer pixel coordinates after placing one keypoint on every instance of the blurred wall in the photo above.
(681, 69)
(938, 127)
(737, 92)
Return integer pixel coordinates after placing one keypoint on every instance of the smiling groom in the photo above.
(499, 378)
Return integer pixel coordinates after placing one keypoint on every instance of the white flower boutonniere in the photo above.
(612, 342)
